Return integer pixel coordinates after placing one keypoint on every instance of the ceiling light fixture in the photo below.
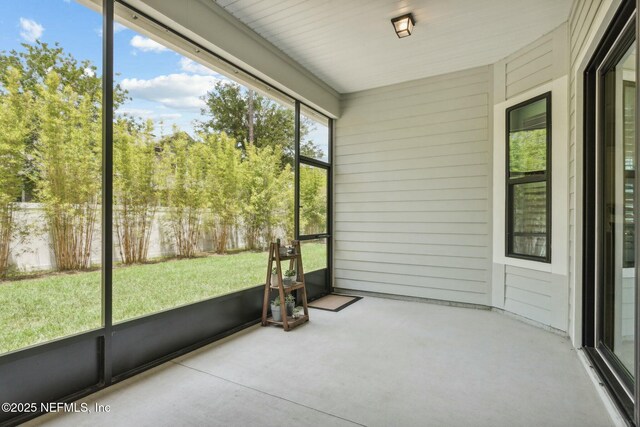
(403, 25)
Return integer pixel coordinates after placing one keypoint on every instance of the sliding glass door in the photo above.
(617, 281)
(610, 214)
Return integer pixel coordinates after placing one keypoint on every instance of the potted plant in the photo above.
(276, 309)
(274, 276)
(289, 277)
(290, 303)
(276, 313)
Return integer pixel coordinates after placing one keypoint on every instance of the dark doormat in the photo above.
(333, 302)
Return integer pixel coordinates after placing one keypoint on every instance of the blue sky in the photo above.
(164, 85)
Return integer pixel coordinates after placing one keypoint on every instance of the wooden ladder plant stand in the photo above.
(295, 260)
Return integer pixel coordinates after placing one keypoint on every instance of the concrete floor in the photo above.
(378, 362)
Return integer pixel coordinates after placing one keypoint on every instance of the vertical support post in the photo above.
(589, 226)
(107, 188)
(329, 276)
(296, 173)
(636, 222)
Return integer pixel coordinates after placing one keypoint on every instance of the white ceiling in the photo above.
(350, 44)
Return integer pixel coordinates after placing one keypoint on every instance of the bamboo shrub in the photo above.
(67, 154)
(14, 129)
(223, 185)
(135, 188)
(313, 199)
(265, 195)
(184, 166)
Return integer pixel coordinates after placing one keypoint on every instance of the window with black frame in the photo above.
(529, 179)
(314, 170)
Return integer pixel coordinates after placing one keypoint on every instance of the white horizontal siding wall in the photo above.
(529, 67)
(418, 188)
(580, 22)
(535, 290)
(529, 293)
(412, 189)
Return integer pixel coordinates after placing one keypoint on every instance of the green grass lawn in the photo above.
(38, 310)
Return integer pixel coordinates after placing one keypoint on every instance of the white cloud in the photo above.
(179, 91)
(146, 44)
(31, 30)
(89, 72)
(191, 66)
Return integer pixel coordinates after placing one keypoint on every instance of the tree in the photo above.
(38, 60)
(227, 107)
(223, 186)
(34, 64)
(135, 187)
(309, 149)
(313, 200)
(267, 189)
(184, 174)
(14, 128)
(251, 119)
(62, 150)
(67, 159)
(528, 151)
(167, 143)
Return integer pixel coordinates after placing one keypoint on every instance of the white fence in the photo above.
(34, 251)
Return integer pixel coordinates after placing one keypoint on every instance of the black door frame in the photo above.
(618, 37)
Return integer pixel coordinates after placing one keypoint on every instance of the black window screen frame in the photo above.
(512, 182)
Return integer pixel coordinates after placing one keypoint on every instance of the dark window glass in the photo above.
(530, 219)
(617, 214)
(528, 140)
(528, 183)
(629, 136)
